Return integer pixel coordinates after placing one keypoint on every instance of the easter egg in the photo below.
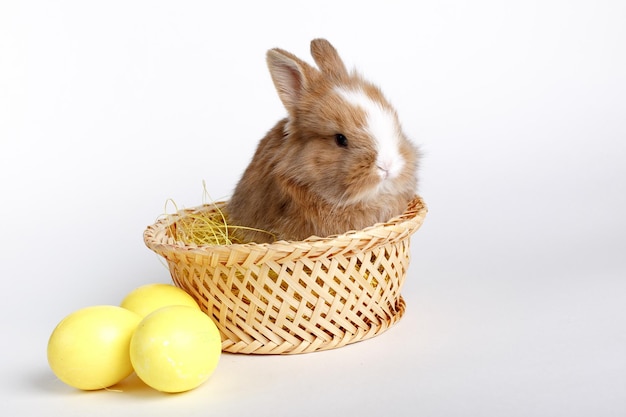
(89, 349)
(148, 298)
(175, 348)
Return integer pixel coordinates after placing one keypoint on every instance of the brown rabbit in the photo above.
(338, 162)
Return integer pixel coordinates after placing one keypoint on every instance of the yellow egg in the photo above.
(89, 349)
(148, 298)
(175, 348)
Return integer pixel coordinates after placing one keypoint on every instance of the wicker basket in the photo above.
(296, 297)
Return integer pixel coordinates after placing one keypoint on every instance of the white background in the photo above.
(516, 293)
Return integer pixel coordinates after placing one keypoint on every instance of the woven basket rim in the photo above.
(397, 228)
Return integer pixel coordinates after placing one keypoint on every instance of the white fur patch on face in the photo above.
(384, 130)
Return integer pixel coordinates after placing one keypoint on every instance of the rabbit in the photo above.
(338, 162)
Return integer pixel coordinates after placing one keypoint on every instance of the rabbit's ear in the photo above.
(291, 76)
(328, 60)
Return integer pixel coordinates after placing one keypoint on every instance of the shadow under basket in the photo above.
(297, 296)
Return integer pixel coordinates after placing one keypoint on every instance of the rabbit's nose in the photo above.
(389, 167)
(383, 171)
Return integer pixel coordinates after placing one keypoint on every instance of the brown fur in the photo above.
(300, 182)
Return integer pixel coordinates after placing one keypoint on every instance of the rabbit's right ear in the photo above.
(290, 76)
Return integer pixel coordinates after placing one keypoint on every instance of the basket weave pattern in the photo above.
(295, 297)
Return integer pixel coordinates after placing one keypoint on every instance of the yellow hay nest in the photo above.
(289, 297)
(208, 227)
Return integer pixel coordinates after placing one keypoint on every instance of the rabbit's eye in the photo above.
(341, 140)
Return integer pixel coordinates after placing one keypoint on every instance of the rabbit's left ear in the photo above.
(328, 60)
